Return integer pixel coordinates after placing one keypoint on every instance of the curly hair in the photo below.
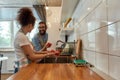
(25, 17)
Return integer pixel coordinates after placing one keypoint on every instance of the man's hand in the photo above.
(48, 44)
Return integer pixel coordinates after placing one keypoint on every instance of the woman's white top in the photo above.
(21, 40)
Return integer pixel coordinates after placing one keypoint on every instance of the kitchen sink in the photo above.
(57, 59)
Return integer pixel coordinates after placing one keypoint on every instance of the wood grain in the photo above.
(55, 71)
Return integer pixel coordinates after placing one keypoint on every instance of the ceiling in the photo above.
(50, 2)
(68, 6)
(30, 2)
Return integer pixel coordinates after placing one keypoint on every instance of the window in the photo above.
(7, 33)
(8, 30)
(9, 26)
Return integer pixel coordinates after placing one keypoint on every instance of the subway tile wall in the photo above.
(98, 25)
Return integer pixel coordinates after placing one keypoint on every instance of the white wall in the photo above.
(98, 22)
(53, 22)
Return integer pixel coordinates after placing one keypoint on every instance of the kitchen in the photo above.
(95, 22)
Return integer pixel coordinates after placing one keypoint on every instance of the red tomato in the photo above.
(57, 53)
(49, 44)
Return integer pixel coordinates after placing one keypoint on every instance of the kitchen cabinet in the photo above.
(8, 65)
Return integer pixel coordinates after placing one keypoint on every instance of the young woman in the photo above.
(22, 45)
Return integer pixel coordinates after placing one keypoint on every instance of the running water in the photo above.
(56, 59)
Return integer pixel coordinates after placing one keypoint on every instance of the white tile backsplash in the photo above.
(99, 29)
(114, 39)
(102, 40)
(114, 67)
(91, 41)
(85, 41)
(85, 56)
(102, 62)
(100, 14)
(83, 26)
(91, 57)
(90, 21)
(113, 10)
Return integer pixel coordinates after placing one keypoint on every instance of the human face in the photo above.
(31, 27)
(42, 29)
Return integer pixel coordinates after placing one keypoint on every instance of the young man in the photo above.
(39, 40)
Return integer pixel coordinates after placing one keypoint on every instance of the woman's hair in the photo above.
(25, 17)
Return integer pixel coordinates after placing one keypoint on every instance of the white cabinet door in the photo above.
(8, 65)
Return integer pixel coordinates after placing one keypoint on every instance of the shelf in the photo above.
(66, 31)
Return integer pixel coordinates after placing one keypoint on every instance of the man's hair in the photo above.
(42, 22)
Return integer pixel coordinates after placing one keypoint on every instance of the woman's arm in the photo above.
(31, 54)
(41, 52)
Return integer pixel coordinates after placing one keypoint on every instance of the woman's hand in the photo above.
(55, 52)
(50, 53)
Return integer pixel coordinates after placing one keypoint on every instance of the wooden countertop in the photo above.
(55, 71)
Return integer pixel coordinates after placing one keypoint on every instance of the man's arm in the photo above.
(46, 39)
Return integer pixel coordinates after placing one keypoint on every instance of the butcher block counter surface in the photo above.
(55, 71)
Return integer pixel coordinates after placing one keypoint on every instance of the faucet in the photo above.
(59, 41)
